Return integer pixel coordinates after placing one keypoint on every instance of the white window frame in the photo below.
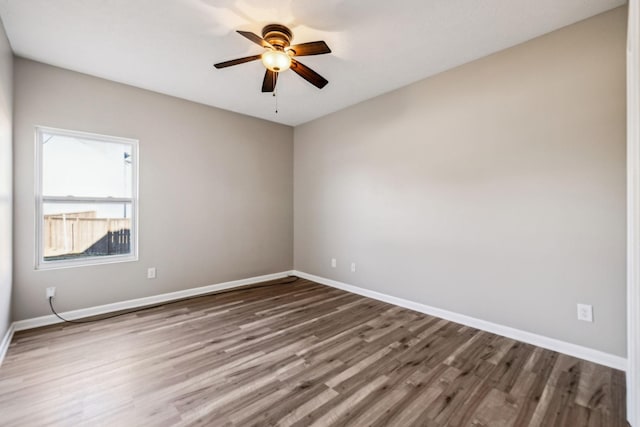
(40, 199)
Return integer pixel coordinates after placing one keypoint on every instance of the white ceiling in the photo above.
(169, 46)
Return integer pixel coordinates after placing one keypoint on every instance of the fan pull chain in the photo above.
(275, 96)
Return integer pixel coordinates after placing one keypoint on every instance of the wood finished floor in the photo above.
(295, 355)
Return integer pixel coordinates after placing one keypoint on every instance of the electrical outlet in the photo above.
(585, 312)
(151, 273)
(334, 263)
(51, 292)
(353, 267)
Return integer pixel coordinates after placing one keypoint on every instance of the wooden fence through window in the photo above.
(83, 233)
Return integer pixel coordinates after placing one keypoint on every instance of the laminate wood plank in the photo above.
(295, 354)
(413, 404)
(496, 410)
(467, 414)
(332, 413)
(453, 397)
(307, 407)
(294, 397)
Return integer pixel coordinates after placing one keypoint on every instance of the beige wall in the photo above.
(6, 180)
(495, 190)
(226, 176)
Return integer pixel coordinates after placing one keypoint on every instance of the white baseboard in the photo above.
(574, 350)
(51, 319)
(6, 340)
(581, 352)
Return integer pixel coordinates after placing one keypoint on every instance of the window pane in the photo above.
(75, 166)
(81, 230)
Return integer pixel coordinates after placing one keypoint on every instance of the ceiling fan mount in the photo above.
(279, 56)
(277, 35)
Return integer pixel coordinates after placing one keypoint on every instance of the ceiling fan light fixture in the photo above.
(278, 57)
(276, 60)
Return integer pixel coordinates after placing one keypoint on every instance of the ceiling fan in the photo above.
(279, 56)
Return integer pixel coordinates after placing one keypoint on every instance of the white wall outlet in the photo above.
(334, 263)
(353, 267)
(585, 312)
(151, 273)
(51, 292)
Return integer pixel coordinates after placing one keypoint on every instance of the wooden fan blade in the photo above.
(236, 61)
(311, 48)
(255, 38)
(308, 74)
(269, 81)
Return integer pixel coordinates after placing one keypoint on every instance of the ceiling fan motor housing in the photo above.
(277, 35)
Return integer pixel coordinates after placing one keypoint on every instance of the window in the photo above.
(86, 198)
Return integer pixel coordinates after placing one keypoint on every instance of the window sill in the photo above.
(85, 262)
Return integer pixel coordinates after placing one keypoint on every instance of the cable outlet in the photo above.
(585, 312)
(334, 263)
(353, 267)
(51, 292)
(151, 273)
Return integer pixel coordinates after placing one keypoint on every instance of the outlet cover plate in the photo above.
(585, 312)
